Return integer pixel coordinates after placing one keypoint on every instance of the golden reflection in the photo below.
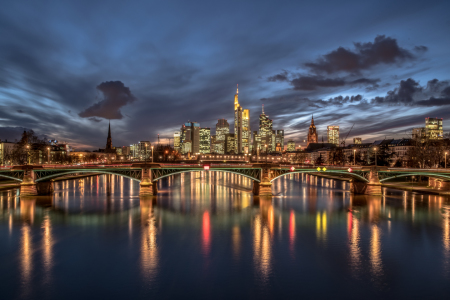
(355, 249)
(375, 251)
(27, 208)
(47, 244)
(292, 230)
(236, 241)
(26, 253)
(321, 226)
(261, 248)
(149, 247)
(446, 238)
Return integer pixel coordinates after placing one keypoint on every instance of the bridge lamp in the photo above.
(354, 157)
(48, 158)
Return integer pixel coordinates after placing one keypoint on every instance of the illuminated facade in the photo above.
(357, 141)
(246, 133)
(177, 141)
(256, 142)
(213, 141)
(333, 134)
(222, 129)
(265, 131)
(237, 123)
(205, 140)
(312, 133)
(279, 139)
(190, 131)
(434, 128)
(230, 143)
(290, 146)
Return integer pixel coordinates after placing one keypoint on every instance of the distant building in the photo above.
(213, 141)
(256, 142)
(290, 146)
(141, 151)
(357, 140)
(177, 141)
(205, 140)
(333, 134)
(230, 143)
(434, 128)
(237, 122)
(312, 133)
(246, 133)
(265, 131)
(279, 138)
(190, 131)
(222, 129)
(6, 149)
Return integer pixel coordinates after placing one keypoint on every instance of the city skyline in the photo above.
(386, 77)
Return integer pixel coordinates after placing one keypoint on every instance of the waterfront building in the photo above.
(279, 138)
(177, 141)
(290, 146)
(205, 140)
(6, 149)
(141, 151)
(333, 134)
(230, 143)
(357, 140)
(312, 133)
(187, 147)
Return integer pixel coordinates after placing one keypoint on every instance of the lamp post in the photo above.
(48, 157)
(376, 164)
(152, 154)
(28, 154)
(266, 153)
(146, 154)
(354, 157)
(445, 166)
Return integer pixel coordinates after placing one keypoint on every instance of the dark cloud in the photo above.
(94, 119)
(410, 93)
(384, 50)
(20, 111)
(115, 96)
(420, 48)
(283, 76)
(310, 83)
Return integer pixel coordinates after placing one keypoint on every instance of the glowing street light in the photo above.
(376, 164)
(48, 157)
(445, 160)
(354, 157)
(152, 154)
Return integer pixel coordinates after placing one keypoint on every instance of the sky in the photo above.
(68, 67)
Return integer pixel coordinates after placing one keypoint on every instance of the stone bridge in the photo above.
(37, 180)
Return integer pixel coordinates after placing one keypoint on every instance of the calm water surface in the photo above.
(206, 237)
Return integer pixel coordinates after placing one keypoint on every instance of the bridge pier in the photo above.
(28, 185)
(263, 188)
(147, 186)
(373, 187)
(45, 187)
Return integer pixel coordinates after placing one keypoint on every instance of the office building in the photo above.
(265, 131)
(177, 141)
(291, 146)
(190, 131)
(357, 141)
(434, 128)
(246, 133)
(333, 134)
(237, 122)
(230, 143)
(279, 138)
(205, 140)
(213, 141)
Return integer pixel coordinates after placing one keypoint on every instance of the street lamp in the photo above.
(354, 157)
(266, 153)
(146, 154)
(28, 154)
(152, 154)
(48, 158)
(376, 164)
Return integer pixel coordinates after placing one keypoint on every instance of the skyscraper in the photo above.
(205, 140)
(177, 141)
(190, 132)
(291, 146)
(237, 123)
(256, 142)
(246, 133)
(265, 131)
(230, 143)
(222, 129)
(333, 134)
(279, 138)
(312, 134)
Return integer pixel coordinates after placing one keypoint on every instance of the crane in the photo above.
(343, 141)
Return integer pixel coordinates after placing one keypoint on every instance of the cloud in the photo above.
(94, 119)
(384, 50)
(20, 111)
(411, 93)
(314, 82)
(115, 96)
(279, 77)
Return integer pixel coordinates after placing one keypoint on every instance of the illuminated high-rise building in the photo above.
(205, 140)
(237, 122)
(357, 140)
(230, 144)
(246, 133)
(256, 142)
(190, 131)
(279, 138)
(177, 141)
(312, 133)
(222, 129)
(290, 146)
(333, 134)
(434, 128)
(265, 131)
(213, 141)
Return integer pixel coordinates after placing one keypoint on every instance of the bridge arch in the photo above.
(310, 172)
(17, 175)
(432, 175)
(136, 175)
(158, 174)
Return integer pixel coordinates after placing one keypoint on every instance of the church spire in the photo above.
(109, 130)
(312, 119)
(109, 139)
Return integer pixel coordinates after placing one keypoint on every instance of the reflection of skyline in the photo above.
(47, 246)
(355, 248)
(26, 259)
(149, 247)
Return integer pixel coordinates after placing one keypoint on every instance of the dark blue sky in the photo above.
(65, 68)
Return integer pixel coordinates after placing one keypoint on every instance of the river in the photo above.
(205, 236)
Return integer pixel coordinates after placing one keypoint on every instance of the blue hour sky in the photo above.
(67, 67)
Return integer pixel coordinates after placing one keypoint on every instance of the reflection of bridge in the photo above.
(37, 180)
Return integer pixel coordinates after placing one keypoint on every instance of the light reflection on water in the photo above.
(207, 230)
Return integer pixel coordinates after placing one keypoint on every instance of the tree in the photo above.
(319, 160)
(28, 149)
